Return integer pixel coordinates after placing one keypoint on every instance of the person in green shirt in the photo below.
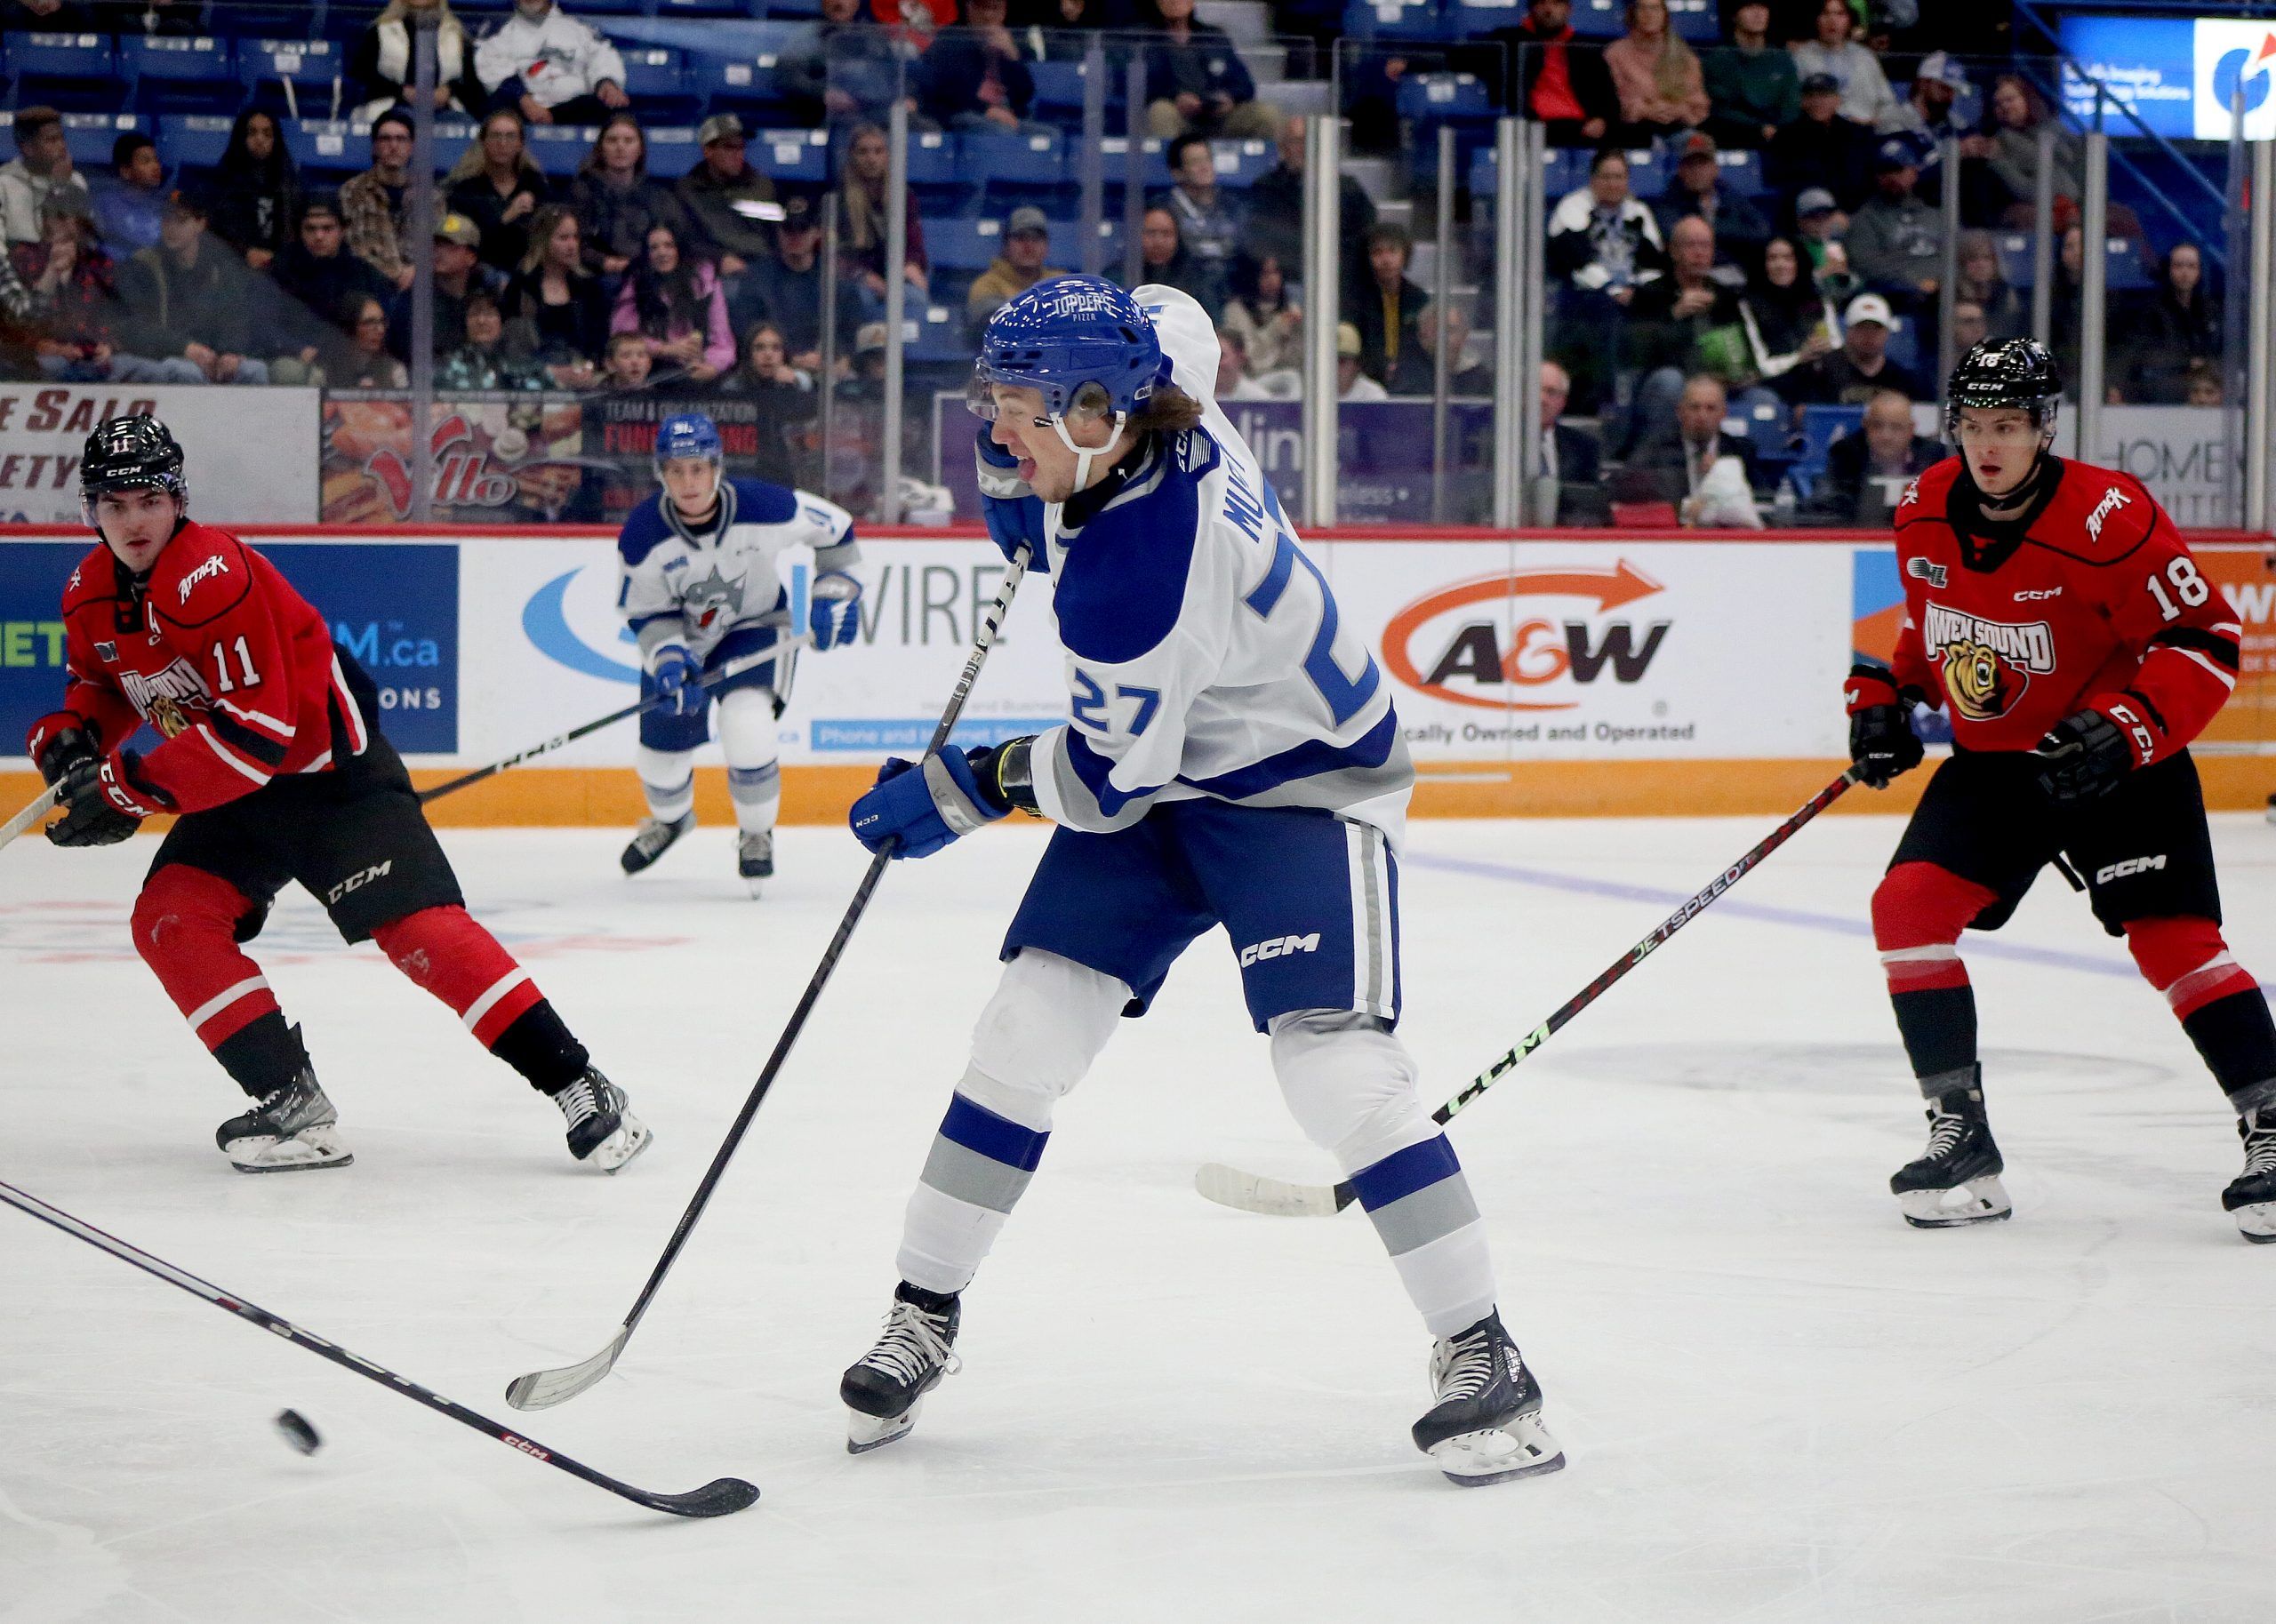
(1752, 84)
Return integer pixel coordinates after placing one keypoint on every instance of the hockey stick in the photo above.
(1255, 1193)
(541, 1389)
(708, 680)
(31, 814)
(718, 1498)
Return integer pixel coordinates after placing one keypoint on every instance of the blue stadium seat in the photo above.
(90, 136)
(963, 244)
(802, 9)
(1647, 173)
(1742, 173)
(2123, 271)
(560, 148)
(1059, 89)
(195, 140)
(453, 136)
(1569, 172)
(1155, 170)
(1695, 20)
(236, 18)
(1469, 19)
(656, 79)
(1014, 161)
(1485, 173)
(940, 336)
(181, 75)
(1599, 19)
(1381, 20)
(1822, 426)
(64, 70)
(745, 81)
(933, 160)
(313, 67)
(2015, 259)
(1440, 96)
(321, 146)
(672, 151)
(801, 156)
(706, 8)
(1240, 164)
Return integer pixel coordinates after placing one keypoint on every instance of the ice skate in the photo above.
(755, 858)
(602, 1130)
(1486, 1425)
(2251, 1197)
(291, 1129)
(1956, 1180)
(652, 840)
(886, 1388)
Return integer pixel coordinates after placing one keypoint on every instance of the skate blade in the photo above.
(1977, 1201)
(1521, 1449)
(864, 1433)
(2258, 1223)
(756, 884)
(305, 1152)
(632, 1136)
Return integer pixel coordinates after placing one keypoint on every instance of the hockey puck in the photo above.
(298, 1432)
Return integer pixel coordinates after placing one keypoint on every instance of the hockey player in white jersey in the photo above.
(1231, 757)
(700, 590)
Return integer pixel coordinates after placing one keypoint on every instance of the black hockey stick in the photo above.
(30, 815)
(708, 680)
(541, 1389)
(1255, 1193)
(718, 1498)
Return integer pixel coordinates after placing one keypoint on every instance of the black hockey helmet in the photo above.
(2006, 372)
(129, 453)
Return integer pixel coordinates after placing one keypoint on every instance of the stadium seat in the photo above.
(320, 145)
(559, 148)
(2123, 271)
(941, 337)
(933, 160)
(655, 76)
(1470, 19)
(1485, 173)
(1154, 173)
(1436, 96)
(1569, 172)
(1647, 173)
(312, 69)
(1014, 161)
(194, 141)
(1822, 426)
(963, 244)
(799, 10)
(1241, 164)
(2016, 259)
(1381, 20)
(1599, 19)
(1742, 173)
(1695, 20)
(66, 71)
(705, 8)
(799, 155)
(453, 136)
(180, 74)
(90, 136)
(1060, 88)
(672, 151)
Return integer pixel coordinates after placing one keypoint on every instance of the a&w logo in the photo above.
(1279, 946)
(2132, 865)
(356, 882)
(1987, 663)
(2112, 499)
(212, 569)
(162, 700)
(1524, 640)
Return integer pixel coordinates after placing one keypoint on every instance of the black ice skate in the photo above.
(755, 858)
(886, 1386)
(1956, 1180)
(1485, 1427)
(290, 1129)
(652, 840)
(602, 1130)
(2251, 1197)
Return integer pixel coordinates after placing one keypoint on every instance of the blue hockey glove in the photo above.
(834, 611)
(675, 675)
(1013, 512)
(916, 813)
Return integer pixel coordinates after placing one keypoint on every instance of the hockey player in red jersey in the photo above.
(271, 751)
(2054, 613)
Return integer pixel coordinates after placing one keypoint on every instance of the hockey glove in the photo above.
(1882, 744)
(834, 613)
(675, 675)
(1014, 511)
(2086, 756)
(105, 801)
(57, 753)
(915, 813)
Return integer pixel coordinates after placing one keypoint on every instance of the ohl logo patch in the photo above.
(1988, 664)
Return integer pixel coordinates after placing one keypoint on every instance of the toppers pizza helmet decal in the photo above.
(1987, 664)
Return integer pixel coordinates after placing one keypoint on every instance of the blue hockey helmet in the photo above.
(1083, 344)
(691, 434)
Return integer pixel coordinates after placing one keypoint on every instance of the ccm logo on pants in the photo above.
(1281, 946)
(2132, 865)
(356, 882)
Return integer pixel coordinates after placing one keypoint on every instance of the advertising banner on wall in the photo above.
(2180, 76)
(252, 452)
(503, 461)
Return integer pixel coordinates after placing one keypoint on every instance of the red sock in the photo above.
(448, 953)
(2186, 960)
(1919, 911)
(184, 926)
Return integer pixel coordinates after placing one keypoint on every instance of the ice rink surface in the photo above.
(1778, 1403)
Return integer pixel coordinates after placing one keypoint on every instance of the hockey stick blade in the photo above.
(721, 1497)
(1250, 1192)
(543, 1389)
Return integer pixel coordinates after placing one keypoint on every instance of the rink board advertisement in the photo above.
(252, 452)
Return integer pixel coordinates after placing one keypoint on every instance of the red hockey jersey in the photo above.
(2090, 600)
(218, 654)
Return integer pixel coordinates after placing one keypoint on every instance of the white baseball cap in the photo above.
(1868, 307)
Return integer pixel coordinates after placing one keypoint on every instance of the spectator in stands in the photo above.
(2003, 309)
(555, 69)
(1351, 383)
(1603, 240)
(1027, 244)
(1163, 258)
(67, 310)
(1571, 456)
(1896, 242)
(1475, 379)
(1233, 379)
(616, 200)
(1276, 211)
(562, 304)
(1822, 149)
(784, 399)
(788, 287)
(764, 367)
(1753, 86)
(629, 364)
(841, 68)
(1386, 313)
(1675, 462)
(42, 165)
(1269, 318)
(1866, 98)
(191, 297)
(2012, 150)
(1656, 75)
(498, 186)
(1195, 82)
(861, 221)
(1852, 374)
(359, 358)
(256, 190)
(50, 17)
(1208, 221)
(1818, 233)
(459, 275)
(1969, 326)
(380, 68)
(316, 269)
(1739, 227)
(1684, 323)
(129, 205)
(1788, 319)
(2204, 384)
(1562, 81)
(371, 205)
(976, 77)
(1866, 473)
(726, 200)
(484, 360)
(673, 300)
(2179, 325)
(171, 19)
(1925, 116)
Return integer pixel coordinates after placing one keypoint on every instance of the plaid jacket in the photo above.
(373, 230)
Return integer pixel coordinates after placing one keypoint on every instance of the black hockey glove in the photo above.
(1882, 744)
(2086, 756)
(88, 819)
(65, 751)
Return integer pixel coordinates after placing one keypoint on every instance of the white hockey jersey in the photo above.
(679, 587)
(1205, 654)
